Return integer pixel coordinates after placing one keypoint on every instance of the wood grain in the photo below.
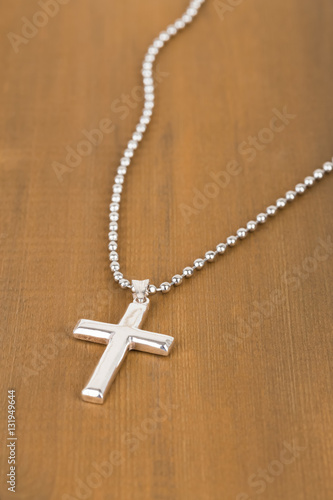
(251, 373)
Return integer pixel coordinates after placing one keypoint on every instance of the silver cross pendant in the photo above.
(120, 339)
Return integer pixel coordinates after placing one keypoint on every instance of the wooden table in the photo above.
(243, 406)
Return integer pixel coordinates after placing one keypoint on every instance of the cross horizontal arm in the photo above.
(155, 343)
(94, 331)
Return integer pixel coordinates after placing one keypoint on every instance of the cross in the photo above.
(119, 339)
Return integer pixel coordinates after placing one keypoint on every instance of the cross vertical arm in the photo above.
(106, 370)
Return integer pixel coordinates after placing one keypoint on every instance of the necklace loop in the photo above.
(140, 290)
(140, 295)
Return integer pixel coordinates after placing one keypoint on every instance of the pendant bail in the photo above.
(140, 290)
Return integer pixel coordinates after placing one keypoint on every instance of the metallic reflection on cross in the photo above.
(119, 339)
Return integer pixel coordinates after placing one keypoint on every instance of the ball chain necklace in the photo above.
(128, 335)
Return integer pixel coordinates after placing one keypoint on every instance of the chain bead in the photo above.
(150, 58)
(281, 202)
(152, 50)
(121, 170)
(210, 256)
(125, 162)
(186, 18)
(221, 248)
(141, 128)
(114, 266)
(199, 263)
(318, 174)
(165, 287)
(147, 73)
(147, 112)
(177, 279)
(271, 210)
(261, 218)
(132, 145)
(158, 43)
(191, 12)
(300, 188)
(114, 207)
(149, 89)
(164, 36)
(179, 24)
(117, 276)
(124, 283)
(119, 179)
(231, 241)
(290, 195)
(114, 216)
(115, 198)
(128, 153)
(171, 30)
(251, 226)
(113, 226)
(112, 246)
(328, 167)
(145, 120)
(241, 233)
(152, 289)
(113, 256)
(309, 181)
(113, 235)
(188, 272)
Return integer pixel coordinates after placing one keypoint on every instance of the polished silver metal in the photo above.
(140, 290)
(119, 339)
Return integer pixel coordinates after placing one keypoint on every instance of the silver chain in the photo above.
(241, 233)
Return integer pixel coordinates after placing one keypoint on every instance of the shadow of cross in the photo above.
(119, 339)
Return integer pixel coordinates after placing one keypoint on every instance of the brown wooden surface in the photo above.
(240, 383)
